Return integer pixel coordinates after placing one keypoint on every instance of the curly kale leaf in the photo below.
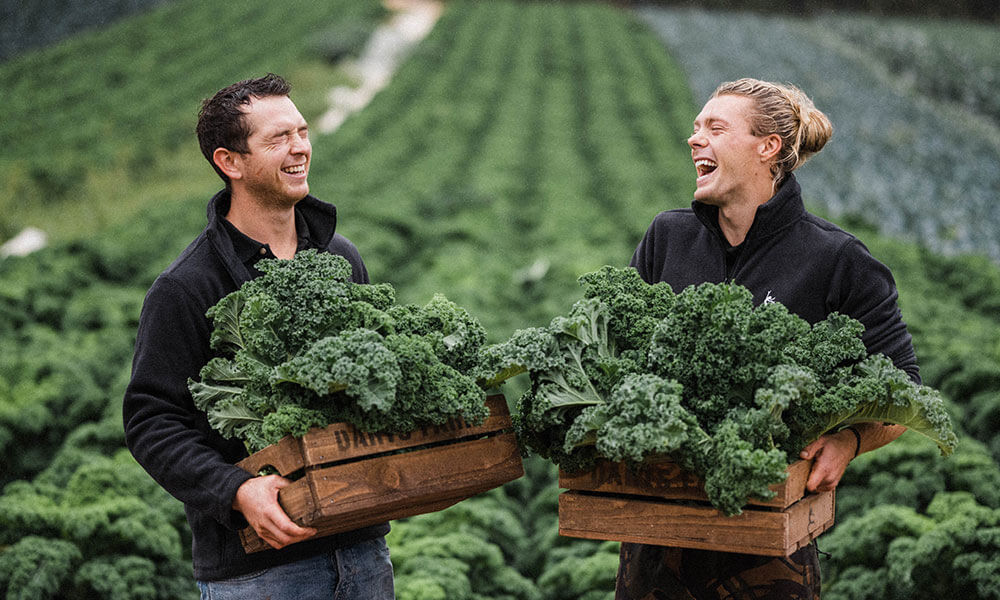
(534, 349)
(293, 303)
(302, 346)
(643, 417)
(831, 343)
(227, 332)
(457, 336)
(635, 307)
(737, 470)
(873, 390)
(37, 566)
(720, 347)
(288, 419)
(356, 362)
(431, 392)
(891, 551)
(560, 358)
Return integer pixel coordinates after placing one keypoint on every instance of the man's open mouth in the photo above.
(296, 170)
(704, 166)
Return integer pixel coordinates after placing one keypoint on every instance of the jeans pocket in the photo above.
(230, 588)
(248, 577)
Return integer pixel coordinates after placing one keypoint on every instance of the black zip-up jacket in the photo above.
(167, 435)
(790, 256)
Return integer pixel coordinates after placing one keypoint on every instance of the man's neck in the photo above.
(735, 222)
(269, 224)
(737, 216)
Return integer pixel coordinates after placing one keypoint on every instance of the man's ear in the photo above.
(228, 162)
(769, 147)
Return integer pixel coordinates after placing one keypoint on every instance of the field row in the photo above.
(924, 168)
(521, 139)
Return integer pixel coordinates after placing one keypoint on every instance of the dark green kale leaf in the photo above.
(303, 346)
(730, 390)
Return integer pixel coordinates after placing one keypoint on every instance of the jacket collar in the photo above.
(780, 211)
(315, 220)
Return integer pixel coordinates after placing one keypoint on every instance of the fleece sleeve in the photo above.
(865, 290)
(168, 436)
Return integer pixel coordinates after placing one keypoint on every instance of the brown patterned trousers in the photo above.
(659, 573)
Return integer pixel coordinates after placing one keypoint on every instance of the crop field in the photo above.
(520, 146)
(75, 103)
(916, 146)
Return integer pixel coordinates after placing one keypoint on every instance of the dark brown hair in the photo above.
(222, 120)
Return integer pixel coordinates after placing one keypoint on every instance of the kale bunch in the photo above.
(951, 549)
(729, 390)
(302, 346)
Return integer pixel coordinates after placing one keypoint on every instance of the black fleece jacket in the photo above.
(167, 435)
(790, 256)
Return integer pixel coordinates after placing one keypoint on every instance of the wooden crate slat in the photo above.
(423, 475)
(669, 523)
(666, 479)
(285, 457)
(341, 441)
(352, 495)
(327, 526)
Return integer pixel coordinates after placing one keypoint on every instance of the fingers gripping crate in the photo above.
(351, 479)
(664, 505)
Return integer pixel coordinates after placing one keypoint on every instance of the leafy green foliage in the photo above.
(459, 177)
(128, 113)
(730, 391)
(891, 551)
(505, 116)
(35, 567)
(907, 473)
(93, 524)
(943, 155)
(302, 346)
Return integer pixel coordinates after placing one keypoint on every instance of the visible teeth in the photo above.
(704, 166)
(296, 169)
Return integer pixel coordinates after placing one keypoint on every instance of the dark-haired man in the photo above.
(257, 141)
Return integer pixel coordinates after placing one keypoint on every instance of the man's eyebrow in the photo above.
(285, 132)
(710, 120)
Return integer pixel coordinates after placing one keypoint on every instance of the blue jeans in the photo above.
(359, 572)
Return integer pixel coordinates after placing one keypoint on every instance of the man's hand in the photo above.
(257, 499)
(831, 454)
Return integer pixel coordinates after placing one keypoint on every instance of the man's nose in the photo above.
(300, 144)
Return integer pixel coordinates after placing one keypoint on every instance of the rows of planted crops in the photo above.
(521, 146)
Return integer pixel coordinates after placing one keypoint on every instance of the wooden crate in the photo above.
(664, 505)
(351, 479)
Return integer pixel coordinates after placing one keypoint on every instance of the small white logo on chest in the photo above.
(770, 299)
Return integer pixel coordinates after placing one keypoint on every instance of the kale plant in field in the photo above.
(93, 525)
(303, 346)
(950, 550)
(902, 99)
(729, 390)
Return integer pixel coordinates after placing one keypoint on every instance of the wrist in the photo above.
(857, 439)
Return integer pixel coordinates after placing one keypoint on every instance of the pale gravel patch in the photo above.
(390, 44)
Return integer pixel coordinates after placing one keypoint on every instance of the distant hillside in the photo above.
(87, 118)
(37, 23)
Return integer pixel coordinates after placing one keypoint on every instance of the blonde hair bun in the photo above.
(784, 110)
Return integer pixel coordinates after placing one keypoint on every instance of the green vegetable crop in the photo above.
(730, 391)
(303, 346)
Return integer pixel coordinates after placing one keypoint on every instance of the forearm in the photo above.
(875, 435)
